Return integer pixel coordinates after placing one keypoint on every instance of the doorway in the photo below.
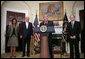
(81, 15)
(20, 18)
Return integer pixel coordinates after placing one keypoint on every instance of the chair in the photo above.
(57, 48)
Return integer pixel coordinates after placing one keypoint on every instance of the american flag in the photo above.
(36, 24)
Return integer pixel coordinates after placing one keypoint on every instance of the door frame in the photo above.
(3, 24)
(77, 18)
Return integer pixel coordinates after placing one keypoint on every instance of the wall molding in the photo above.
(77, 12)
(77, 18)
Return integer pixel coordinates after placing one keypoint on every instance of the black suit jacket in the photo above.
(26, 32)
(75, 31)
(50, 23)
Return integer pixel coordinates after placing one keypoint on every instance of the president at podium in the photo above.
(46, 40)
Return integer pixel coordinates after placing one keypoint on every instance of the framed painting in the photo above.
(54, 10)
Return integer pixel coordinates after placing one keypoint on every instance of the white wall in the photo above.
(4, 10)
(29, 7)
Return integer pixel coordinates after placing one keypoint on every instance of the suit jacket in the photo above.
(26, 32)
(50, 23)
(74, 31)
(10, 30)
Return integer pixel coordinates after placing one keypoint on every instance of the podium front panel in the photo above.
(49, 30)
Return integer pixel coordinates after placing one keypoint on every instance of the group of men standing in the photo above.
(73, 31)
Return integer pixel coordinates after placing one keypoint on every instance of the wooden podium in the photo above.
(44, 50)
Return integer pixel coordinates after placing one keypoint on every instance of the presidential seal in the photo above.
(43, 28)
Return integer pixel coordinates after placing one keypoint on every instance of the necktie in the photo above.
(46, 23)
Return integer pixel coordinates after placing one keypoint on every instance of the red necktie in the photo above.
(46, 24)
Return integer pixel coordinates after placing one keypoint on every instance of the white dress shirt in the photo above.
(27, 23)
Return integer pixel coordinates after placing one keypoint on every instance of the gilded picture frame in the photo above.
(54, 10)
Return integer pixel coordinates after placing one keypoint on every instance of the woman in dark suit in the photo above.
(13, 37)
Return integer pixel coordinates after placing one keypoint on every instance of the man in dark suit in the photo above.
(26, 34)
(48, 23)
(73, 31)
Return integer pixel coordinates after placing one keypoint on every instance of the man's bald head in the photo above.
(27, 19)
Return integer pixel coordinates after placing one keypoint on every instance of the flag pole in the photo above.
(34, 38)
(66, 38)
(36, 12)
(66, 42)
(65, 10)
